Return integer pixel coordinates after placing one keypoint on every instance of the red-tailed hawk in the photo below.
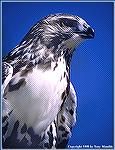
(39, 101)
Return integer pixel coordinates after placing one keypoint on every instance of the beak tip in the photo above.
(90, 33)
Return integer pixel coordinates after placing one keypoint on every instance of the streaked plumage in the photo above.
(39, 101)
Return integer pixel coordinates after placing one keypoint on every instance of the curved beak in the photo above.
(83, 29)
(88, 33)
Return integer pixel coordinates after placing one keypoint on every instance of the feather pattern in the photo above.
(39, 101)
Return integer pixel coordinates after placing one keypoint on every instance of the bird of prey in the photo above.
(39, 101)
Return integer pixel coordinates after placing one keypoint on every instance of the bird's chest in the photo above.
(38, 100)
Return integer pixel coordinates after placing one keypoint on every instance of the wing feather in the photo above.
(66, 119)
(61, 128)
(7, 71)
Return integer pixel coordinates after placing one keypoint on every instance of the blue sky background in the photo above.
(92, 64)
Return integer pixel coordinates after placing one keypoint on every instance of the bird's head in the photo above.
(59, 32)
(64, 30)
(53, 35)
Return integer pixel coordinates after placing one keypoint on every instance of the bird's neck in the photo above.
(38, 55)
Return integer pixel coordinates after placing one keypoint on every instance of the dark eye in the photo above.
(68, 22)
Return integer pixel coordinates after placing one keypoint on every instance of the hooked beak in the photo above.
(88, 33)
(83, 29)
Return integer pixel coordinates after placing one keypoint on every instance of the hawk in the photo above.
(39, 101)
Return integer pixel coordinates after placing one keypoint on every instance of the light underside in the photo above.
(38, 101)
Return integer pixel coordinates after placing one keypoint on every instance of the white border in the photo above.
(1, 56)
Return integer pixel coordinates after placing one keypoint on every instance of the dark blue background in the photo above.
(92, 64)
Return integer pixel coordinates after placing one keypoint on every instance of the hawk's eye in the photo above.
(64, 22)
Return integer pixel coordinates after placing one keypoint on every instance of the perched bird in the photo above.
(39, 101)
